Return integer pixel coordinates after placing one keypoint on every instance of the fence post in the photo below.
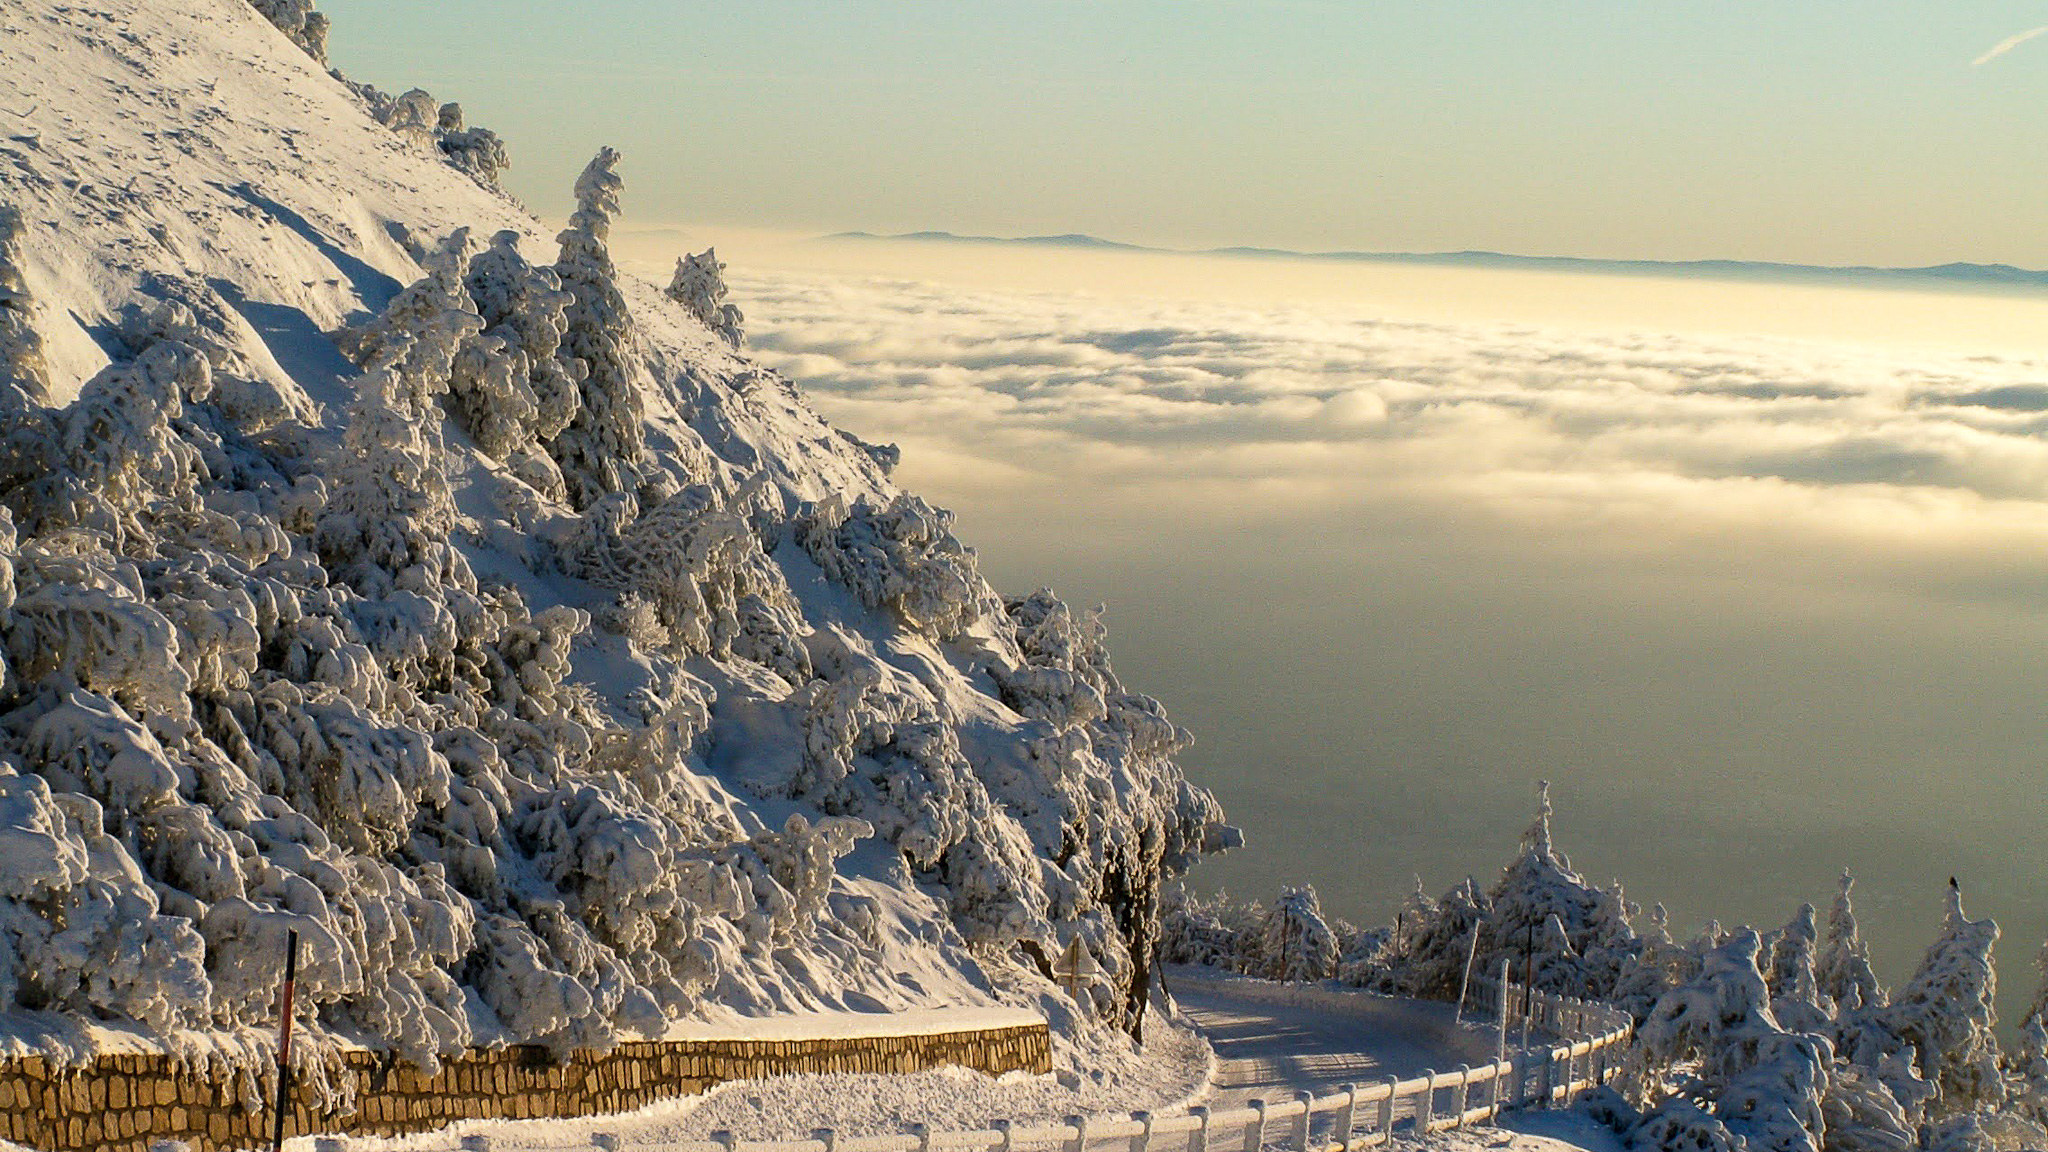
(1005, 1142)
(923, 1132)
(1255, 1132)
(1078, 1144)
(724, 1139)
(1425, 1104)
(1347, 1116)
(1387, 1108)
(1142, 1142)
(1198, 1140)
(1307, 1100)
(601, 1141)
(827, 1137)
(1464, 1093)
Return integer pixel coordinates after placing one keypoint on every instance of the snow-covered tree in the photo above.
(513, 390)
(1437, 941)
(1843, 970)
(300, 22)
(1539, 886)
(1766, 1085)
(603, 448)
(1796, 999)
(1298, 944)
(699, 286)
(1946, 1013)
(477, 151)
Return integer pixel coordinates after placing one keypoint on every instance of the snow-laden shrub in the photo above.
(477, 151)
(440, 129)
(1434, 941)
(1192, 930)
(513, 390)
(696, 562)
(602, 449)
(1766, 1084)
(300, 22)
(902, 557)
(699, 286)
(1298, 945)
(22, 367)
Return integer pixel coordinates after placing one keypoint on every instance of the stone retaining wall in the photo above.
(122, 1103)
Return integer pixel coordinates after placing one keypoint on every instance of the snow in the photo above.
(485, 615)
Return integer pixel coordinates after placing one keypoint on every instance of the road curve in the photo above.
(1273, 1040)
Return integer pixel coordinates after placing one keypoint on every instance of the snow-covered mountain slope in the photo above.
(379, 567)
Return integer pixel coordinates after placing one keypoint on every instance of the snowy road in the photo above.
(1272, 1041)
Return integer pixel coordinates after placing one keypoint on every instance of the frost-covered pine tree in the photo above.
(1538, 886)
(1843, 970)
(699, 286)
(1946, 1013)
(602, 450)
(23, 372)
(1796, 998)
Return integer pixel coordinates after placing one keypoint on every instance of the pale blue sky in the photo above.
(1835, 132)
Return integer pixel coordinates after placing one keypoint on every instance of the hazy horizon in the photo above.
(1825, 133)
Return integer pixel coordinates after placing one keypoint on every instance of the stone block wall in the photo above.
(123, 1103)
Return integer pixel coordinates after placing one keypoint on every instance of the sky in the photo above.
(1817, 131)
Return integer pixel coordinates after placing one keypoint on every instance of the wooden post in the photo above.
(1464, 1094)
(1347, 1116)
(1465, 983)
(1255, 1132)
(1142, 1142)
(1387, 1108)
(1078, 1144)
(1198, 1140)
(284, 1041)
(1307, 1100)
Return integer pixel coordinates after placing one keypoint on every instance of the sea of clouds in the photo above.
(1245, 411)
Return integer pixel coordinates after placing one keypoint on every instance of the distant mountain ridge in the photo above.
(1960, 274)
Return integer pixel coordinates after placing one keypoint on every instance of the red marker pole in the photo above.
(284, 1041)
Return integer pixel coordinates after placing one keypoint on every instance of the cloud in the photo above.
(2007, 45)
(1323, 409)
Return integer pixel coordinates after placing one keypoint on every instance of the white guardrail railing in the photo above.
(1583, 1045)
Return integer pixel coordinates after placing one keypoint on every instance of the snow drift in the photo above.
(376, 566)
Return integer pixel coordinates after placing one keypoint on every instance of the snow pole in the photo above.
(1501, 1025)
(1465, 983)
(284, 1041)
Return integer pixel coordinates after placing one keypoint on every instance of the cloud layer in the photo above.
(1298, 410)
